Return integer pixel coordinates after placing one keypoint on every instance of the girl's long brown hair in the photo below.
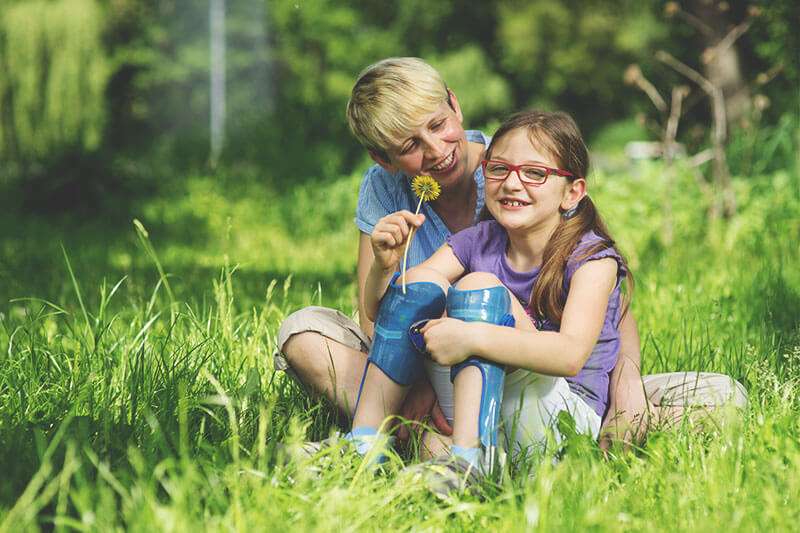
(557, 133)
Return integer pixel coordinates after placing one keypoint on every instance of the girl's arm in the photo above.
(445, 263)
(555, 353)
(388, 245)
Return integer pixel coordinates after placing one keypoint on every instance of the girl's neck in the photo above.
(526, 248)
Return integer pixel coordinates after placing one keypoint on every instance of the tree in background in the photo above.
(571, 54)
(130, 78)
(54, 71)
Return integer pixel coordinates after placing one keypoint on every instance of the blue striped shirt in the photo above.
(383, 193)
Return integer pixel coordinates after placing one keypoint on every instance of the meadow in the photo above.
(137, 390)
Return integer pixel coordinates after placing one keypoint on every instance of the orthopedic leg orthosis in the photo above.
(491, 305)
(392, 350)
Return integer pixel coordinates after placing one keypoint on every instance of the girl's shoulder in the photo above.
(478, 242)
(590, 248)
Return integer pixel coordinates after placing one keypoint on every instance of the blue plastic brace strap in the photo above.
(491, 305)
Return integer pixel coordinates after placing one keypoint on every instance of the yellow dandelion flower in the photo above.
(426, 188)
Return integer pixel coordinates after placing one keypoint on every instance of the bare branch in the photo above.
(719, 132)
(633, 76)
(717, 99)
(689, 72)
(766, 77)
(672, 8)
(671, 130)
(726, 42)
(701, 157)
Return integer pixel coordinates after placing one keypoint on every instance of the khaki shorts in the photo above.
(329, 323)
(694, 389)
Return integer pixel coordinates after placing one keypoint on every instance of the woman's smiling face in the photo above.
(437, 147)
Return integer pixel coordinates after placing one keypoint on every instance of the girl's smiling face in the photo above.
(524, 208)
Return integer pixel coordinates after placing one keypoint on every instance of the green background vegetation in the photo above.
(136, 381)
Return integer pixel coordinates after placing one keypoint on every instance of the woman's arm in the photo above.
(561, 353)
(377, 281)
(365, 259)
(627, 415)
(626, 376)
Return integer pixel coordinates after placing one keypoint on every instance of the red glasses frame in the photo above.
(520, 172)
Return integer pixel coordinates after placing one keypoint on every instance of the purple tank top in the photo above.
(482, 248)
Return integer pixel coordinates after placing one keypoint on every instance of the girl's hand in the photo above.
(389, 237)
(448, 340)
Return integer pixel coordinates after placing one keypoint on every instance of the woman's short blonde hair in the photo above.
(390, 99)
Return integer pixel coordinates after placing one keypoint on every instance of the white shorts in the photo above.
(530, 408)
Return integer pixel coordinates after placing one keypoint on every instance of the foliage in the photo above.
(754, 151)
(775, 41)
(572, 55)
(54, 75)
(107, 84)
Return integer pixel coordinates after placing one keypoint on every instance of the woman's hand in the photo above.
(419, 403)
(628, 415)
(390, 235)
(448, 340)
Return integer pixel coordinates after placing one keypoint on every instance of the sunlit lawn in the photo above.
(135, 400)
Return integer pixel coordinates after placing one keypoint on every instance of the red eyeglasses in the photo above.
(528, 174)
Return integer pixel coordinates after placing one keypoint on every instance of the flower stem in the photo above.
(405, 253)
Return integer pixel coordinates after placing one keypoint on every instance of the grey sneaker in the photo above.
(449, 473)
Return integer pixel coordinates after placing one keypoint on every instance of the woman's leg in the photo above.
(704, 397)
(325, 351)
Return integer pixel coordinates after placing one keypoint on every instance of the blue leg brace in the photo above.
(491, 305)
(392, 349)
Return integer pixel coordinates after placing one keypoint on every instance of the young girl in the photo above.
(545, 244)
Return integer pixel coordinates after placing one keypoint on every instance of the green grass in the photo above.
(127, 406)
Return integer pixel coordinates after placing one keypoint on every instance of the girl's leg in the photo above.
(380, 397)
(531, 409)
(467, 388)
(476, 404)
(387, 380)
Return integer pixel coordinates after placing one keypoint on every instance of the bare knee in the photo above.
(311, 362)
(478, 280)
(299, 345)
(421, 273)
